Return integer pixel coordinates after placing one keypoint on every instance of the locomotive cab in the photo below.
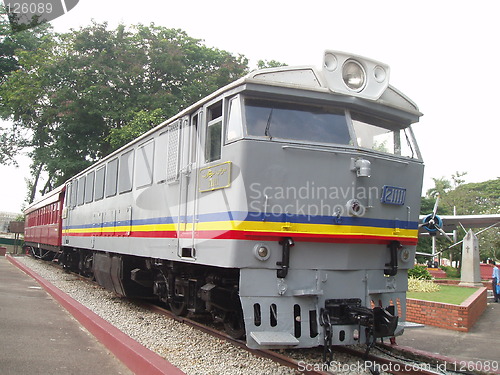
(323, 201)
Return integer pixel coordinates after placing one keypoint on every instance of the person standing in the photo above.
(496, 280)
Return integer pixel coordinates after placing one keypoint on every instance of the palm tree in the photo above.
(441, 186)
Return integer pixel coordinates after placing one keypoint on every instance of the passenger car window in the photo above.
(112, 178)
(126, 171)
(89, 187)
(81, 191)
(144, 169)
(99, 183)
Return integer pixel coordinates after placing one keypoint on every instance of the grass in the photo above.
(446, 294)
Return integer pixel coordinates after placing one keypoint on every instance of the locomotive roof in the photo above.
(310, 78)
(306, 78)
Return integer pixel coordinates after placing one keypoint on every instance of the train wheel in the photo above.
(178, 303)
(234, 324)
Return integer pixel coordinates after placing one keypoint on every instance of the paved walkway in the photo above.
(38, 336)
(481, 345)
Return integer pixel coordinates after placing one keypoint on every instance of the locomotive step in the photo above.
(274, 338)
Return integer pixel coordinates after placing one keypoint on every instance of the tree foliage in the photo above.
(11, 43)
(464, 199)
(441, 187)
(80, 95)
(13, 46)
(475, 198)
(262, 64)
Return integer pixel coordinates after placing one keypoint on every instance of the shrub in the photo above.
(420, 285)
(419, 272)
(451, 271)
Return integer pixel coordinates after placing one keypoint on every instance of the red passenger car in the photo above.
(43, 226)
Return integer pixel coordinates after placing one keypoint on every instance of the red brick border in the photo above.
(445, 315)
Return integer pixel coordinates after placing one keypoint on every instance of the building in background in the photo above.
(9, 241)
(5, 219)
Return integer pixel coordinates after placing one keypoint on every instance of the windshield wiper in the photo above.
(268, 125)
(409, 144)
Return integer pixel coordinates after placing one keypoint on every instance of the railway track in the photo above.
(307, 361)
(373, 363)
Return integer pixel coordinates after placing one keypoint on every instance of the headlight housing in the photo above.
(352, 75)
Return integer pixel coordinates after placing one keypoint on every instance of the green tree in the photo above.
(475, 198)
(441, 187)
(82, 94)
(13, 45)
(262, 64)
(480, 198)
(13, 42)
(457, 178)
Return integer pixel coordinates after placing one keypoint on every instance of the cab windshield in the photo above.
(296, 122)
(328, 125)
(384, 136)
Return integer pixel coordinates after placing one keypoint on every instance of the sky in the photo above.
(444, 55)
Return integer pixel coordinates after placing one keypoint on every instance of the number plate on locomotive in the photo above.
(393, 195)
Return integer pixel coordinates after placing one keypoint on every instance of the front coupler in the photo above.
(378, 322)
(382, 321)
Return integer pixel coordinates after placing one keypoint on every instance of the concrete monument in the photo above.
(471, 274)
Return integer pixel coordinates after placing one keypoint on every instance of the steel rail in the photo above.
(393, 366)
(264, 353)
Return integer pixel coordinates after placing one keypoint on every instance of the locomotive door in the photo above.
(66, 212)
(70, 204)
(187, 188)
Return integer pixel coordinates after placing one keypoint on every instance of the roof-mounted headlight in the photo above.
(349, 74)
(354, 75)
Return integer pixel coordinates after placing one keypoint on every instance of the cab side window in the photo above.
(213, 141)
(234, 123)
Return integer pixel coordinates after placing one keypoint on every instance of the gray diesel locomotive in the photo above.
(285, 204)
